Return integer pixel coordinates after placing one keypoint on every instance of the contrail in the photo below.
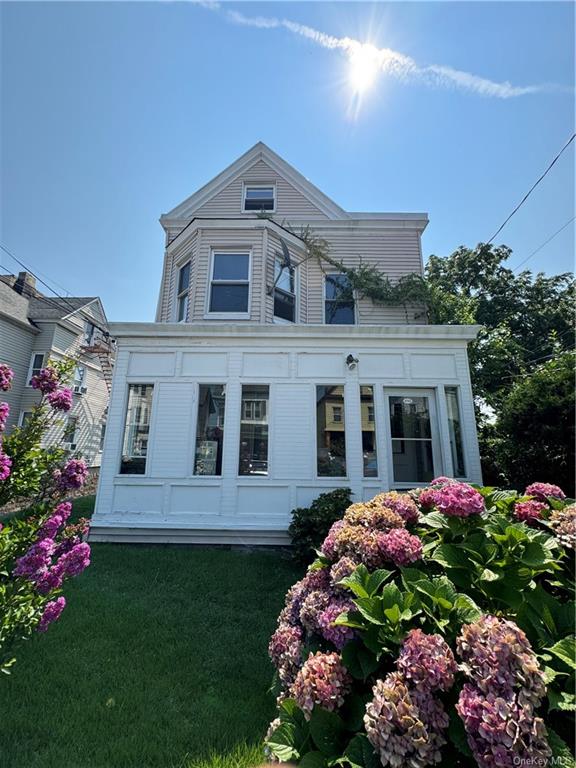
(386, 60)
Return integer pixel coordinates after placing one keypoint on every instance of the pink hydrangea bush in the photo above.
(544, 491)
(408, 610)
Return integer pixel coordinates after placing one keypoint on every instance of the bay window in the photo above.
(183, 293)
(284, 291)
(230, 284)
(254, 430)
(136, 429)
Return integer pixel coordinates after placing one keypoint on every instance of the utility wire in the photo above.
(532, 188)
(73, 309)
(562, 228)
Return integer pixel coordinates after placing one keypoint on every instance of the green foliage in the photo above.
(310, 525)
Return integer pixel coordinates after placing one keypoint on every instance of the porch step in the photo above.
(137, 535)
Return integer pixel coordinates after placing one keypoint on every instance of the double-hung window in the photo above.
(70, 430)
(259, 198)
(136, 429)
(338, 300)
(36, 365)
(182, 295)
(284, 291)
(230, 284)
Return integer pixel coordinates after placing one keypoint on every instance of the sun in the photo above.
(364, 67)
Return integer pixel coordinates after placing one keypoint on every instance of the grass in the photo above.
(160, 659)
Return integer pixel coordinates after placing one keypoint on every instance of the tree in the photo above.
(525, 318)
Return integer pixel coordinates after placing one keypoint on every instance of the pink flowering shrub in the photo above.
(435, 627)
(40, 552)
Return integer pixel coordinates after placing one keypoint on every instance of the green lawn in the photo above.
(160, 659)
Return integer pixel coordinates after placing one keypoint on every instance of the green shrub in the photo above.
(310, 525)
(433, 627)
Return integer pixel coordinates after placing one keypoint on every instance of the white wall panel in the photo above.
(380, 366)
(204, 364)
(138, 498)
(319, 365)
(270, 502)
(196, 500)
(171, 436)
(272, 365)
(433, 366)
(151, 364)
(292, 449)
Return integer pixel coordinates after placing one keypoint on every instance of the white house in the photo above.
(264, 382)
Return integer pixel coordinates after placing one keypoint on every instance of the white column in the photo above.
(231, 435)
(353, 427)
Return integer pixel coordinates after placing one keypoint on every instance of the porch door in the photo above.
(414, 438)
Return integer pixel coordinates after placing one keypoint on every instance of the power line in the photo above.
(73, 309)
(532, 188)
(562, 228)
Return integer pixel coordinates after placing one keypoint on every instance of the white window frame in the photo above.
(183, 294)
(31, 366)
(458, 389)
(269, 423)
(255, 185)
(72, 443)
(347, 446)
(21, 417)
(144, 382)
(282, 320)
(325, 299)
(241, 251)
(432, 395)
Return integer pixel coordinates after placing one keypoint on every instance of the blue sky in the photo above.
(112, 113)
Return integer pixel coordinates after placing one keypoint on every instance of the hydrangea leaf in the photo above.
(358, 660)
(360, 753)
(450, 556)
(327, 731)
(561, 700)
(282, 742)
(457, 733)
(466, 609)
(560, 750)
(565, 650)
(313, 760)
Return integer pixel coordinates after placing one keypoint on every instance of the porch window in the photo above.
(136, 429)
(455, 431)
(210, 429)
(36, 365)
(254, 430)
(338, 300)
(411, 432)
(230, 283)
(284, 291)
(330, 431)
(182, 297)
(259, 198)
(369, 452)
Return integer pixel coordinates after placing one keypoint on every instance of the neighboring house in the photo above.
(35, 328)
(263, 382)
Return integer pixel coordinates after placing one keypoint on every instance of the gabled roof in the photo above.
(48, 308)
(259, 151)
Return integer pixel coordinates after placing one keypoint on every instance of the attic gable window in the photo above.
(259, 198)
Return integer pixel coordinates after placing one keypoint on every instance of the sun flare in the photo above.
(364, 66)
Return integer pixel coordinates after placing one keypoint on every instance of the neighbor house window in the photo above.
(136, 429)
(89, 330)
(24, 417)
(338, 300)
(455, 431)
(230, 283)
(259, 198)
(284, 291)
(79, 373)
(369, 453)
(210, 429)
(411, 431)
(182, 296)
(330, 432)
(254, 430)
(36, 365)
(70, 429)
(102, 437)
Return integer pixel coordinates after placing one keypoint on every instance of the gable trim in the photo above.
(258, 152)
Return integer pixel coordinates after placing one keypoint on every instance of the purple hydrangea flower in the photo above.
(372, 516)
(542, 491)
(323, 681)
(335, 633)
(285, 650)
(453, 499)
(314, 580)
(563, 522)
(501, 731)
(73, 475)
(46, 381)
(60, 399)
(443, 480)
(400, 547)
(52, 612)
(341, 570)
(427, 661)
(4, 413)
(312, 606)
(529, 511)
(400, 503)
(6, 376)
(328, 547)
(406, 727)
(5, 465)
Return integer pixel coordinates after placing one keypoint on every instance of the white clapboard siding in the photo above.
(294, 417)
(290, 203)
(16, 344)
(170, 449)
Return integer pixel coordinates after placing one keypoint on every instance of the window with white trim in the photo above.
(284, 291)
(259, 198)
(182, 295)
(24, 417)
(136, 429)
(229, 283)
(210, 429)
(369, 448)
(455, 431)
(330, 432)
(79, 374)
(338, 300)
(253, 458)
(70, 431)
(412, 425)
(36, 364)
